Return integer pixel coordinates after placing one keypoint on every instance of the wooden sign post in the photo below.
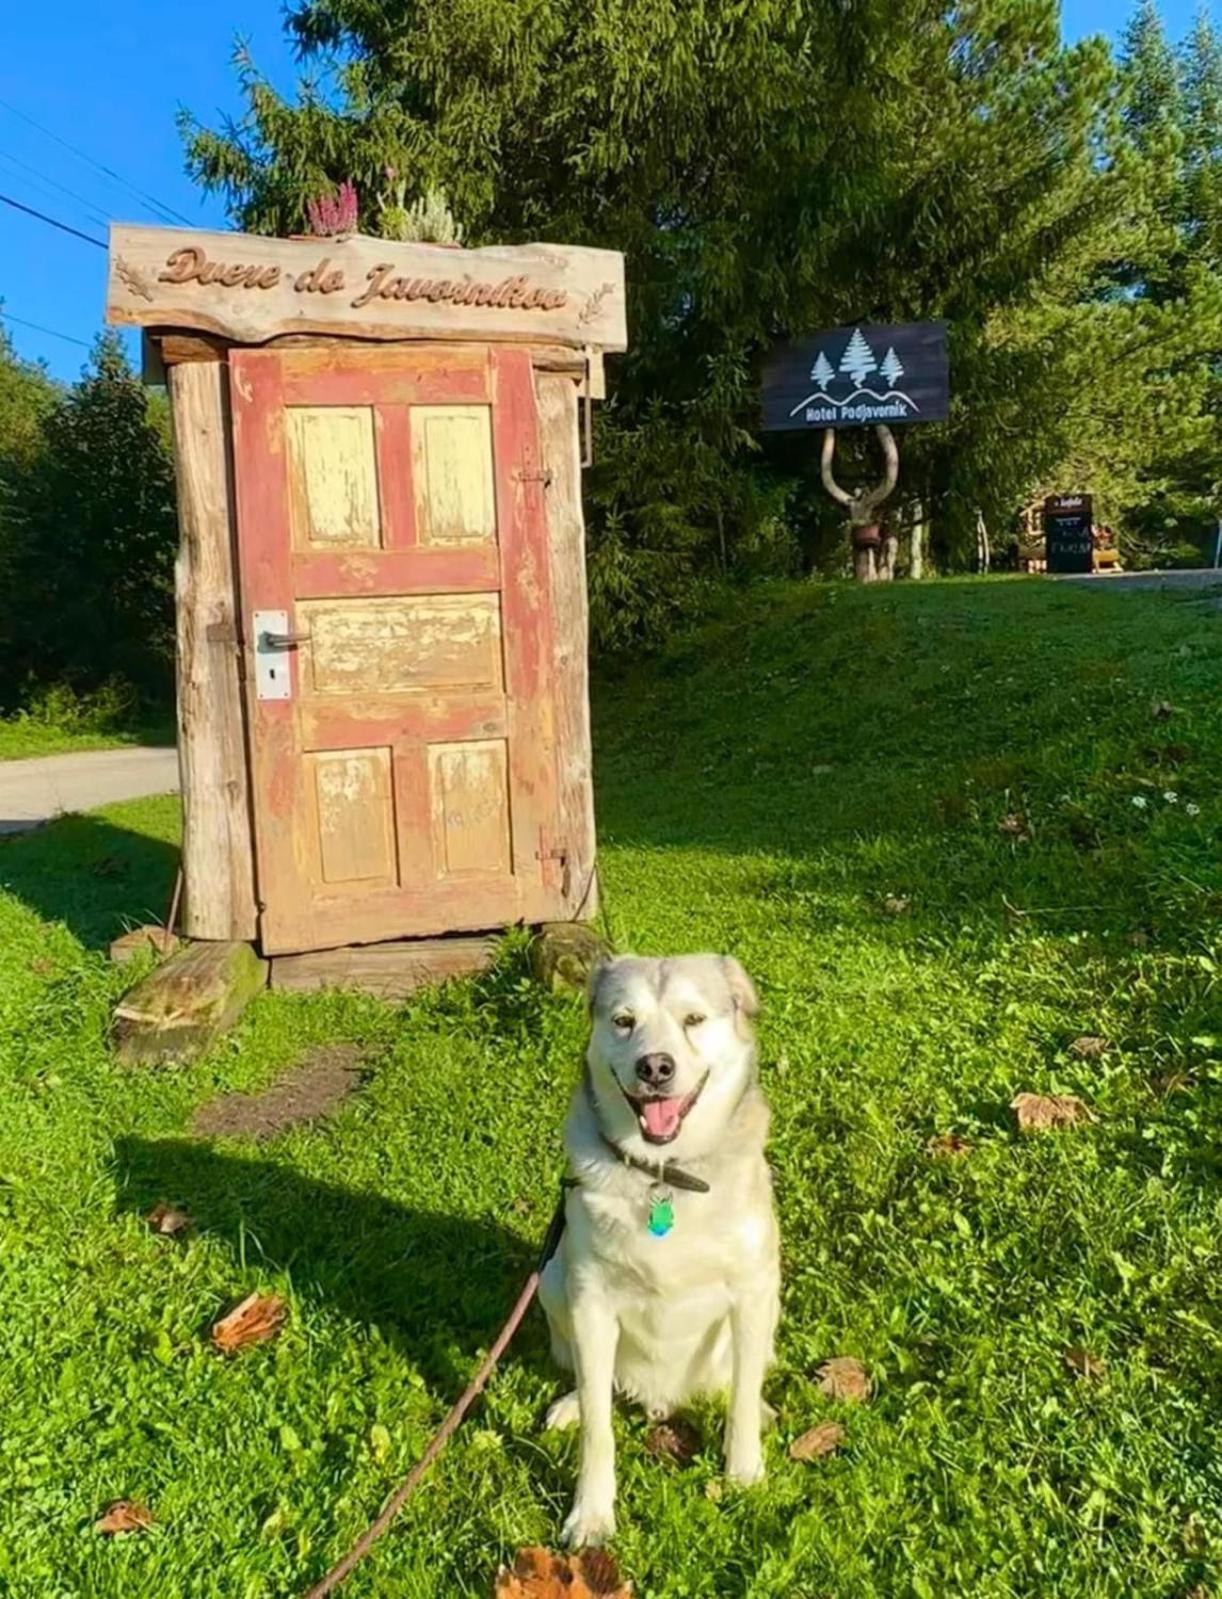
(382, 631)
(862, 376)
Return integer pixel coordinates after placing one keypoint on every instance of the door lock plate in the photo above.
(273, 672)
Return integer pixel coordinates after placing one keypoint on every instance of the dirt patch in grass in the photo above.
(314, 1087)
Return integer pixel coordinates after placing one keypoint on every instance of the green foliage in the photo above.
(774, 169)
(775, 785)
(92, 534)
(427, 220)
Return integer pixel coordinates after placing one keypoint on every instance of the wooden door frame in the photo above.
(215, 666)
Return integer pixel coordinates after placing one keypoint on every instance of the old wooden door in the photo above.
(390, 504)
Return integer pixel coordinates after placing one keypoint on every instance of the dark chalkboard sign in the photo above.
(1069, 544)
(855, 377)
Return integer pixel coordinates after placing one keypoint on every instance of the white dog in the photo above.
(666, 1283)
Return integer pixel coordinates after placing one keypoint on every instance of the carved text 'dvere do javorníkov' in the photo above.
(190, 264)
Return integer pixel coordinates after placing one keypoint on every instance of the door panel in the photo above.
(452, 465)
(402, 645)
(390, 502)
(333, 476)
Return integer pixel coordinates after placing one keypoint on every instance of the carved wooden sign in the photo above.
(250, 289)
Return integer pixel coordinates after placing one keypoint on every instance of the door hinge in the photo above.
(221, 633)
(543, 475)
(559, 853)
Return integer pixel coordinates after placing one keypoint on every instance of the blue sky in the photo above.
(108, 80)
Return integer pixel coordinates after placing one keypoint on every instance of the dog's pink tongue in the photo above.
(661, 1116)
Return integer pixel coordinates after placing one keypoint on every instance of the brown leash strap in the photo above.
(441, 1437)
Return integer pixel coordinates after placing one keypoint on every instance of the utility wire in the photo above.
(7, 316)
(42, 217)
(166, 212)
(44, 181)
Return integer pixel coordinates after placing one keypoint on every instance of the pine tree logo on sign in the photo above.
(857, 362)
(860, 375)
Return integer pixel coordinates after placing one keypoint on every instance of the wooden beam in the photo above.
(250, 289)
(184, 1004)
(218, 858)
(560, 454)
(391, 970)
(166, 348)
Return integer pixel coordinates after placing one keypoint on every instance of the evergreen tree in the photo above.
(823, 371)
(892, 368)
(94, 526)
(767, 171)
(858, 359)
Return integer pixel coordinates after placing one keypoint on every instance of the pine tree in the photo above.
(1152, 81)
(858, 359)
(823, 165)
(823, 371)
(892, 368)
(95, 531)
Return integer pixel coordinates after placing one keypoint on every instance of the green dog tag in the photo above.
(661, 1212)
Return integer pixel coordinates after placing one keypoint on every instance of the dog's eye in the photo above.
(624, 1022)
(694, 1020)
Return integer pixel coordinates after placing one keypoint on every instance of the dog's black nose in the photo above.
(655, 1071)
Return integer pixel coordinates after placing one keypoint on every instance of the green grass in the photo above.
(763, 788)
(22, 737)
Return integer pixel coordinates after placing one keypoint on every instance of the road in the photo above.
(1196, 577)
(35, 791)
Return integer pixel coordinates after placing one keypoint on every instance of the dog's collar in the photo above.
(661, 1171)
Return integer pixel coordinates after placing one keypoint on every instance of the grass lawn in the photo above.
(22, 737)
(950, 829)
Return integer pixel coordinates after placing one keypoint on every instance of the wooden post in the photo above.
(559, 442)
(218, 859)
(916, 557)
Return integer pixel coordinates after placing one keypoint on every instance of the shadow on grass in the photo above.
(437, 1285)
(88, 873)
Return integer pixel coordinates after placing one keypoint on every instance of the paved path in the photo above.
(32, 792)
(1196, 577)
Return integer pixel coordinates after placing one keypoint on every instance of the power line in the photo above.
(42, 217)
(166, 212)
(42, 180)
(7, 316)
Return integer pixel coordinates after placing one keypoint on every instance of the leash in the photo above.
(441, 1437)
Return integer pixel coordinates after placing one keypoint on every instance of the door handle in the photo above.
(283, 641)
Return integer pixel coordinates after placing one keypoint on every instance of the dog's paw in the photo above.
(746, 1469)
(767, 1416)
(564, 1413)
(588, 1528)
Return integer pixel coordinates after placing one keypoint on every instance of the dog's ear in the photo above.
(741, 986)
(598, 975)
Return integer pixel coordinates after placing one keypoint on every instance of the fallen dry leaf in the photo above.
(1161, 710)
(947, 1146)
(1169, 1083)
(1083, 1364)
(167, 1221)
(1015, 826)
(897, 905)
(539, 1574)
(258, 1318)
(125, 1515)
(673, 1440)
(1193, 1536)
(816, 1443)
(844, 1378)
(42, 966)
(1089, 1047)
(1139, 938)
(1038, 1112)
